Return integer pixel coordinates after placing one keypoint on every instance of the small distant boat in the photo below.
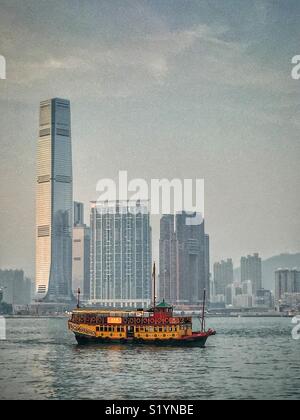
(156, 326)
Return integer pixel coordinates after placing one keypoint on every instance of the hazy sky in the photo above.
(161, 88)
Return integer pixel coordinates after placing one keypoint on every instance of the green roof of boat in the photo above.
(163, 304)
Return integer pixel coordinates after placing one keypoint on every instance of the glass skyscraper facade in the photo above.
(54, 206)
(120, 255)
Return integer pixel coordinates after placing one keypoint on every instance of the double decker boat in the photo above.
(158, 325)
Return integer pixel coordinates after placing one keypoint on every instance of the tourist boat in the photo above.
(157, 325)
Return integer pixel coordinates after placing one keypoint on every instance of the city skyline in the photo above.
(149, 202)
(228, 114)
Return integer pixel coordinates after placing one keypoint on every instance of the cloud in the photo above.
(147, 54)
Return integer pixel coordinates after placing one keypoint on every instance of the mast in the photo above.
(78, 298)
(203, 311)
(154, 285)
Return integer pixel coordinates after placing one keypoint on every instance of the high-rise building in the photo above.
(184, 259)
(247, 287)
(120, 255)
(207, 265)
(78, 213)
(168, 282)
(243, 301)
(229, 293)
(54, 212)
(286, 282)
(223, 276)
(81, 253)
(191, 260)
(264, 299)
(16, 288)
(251, 269)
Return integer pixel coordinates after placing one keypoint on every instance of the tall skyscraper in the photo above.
(54, 211)
(120, 255)
(184, 260)
(81, 253)
(251, 269)
(168, 280)
(223, 276)
(286, 282)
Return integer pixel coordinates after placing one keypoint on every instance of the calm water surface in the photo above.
(249, 358)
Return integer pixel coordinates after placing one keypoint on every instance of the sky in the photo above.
(162, 89)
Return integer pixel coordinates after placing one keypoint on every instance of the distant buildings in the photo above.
(168, 283)
(184, 260)
(244, 294)
(247, 287)
(81, 253)
(223, 276)
(264, 299)
(287, 287)
(229, 294)
(243, 301)
(121, 258)
(251, 269)
(207, 265)
(15, 287)
(78, 213)
(54, 209)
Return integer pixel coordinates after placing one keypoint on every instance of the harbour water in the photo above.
(249, 358)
